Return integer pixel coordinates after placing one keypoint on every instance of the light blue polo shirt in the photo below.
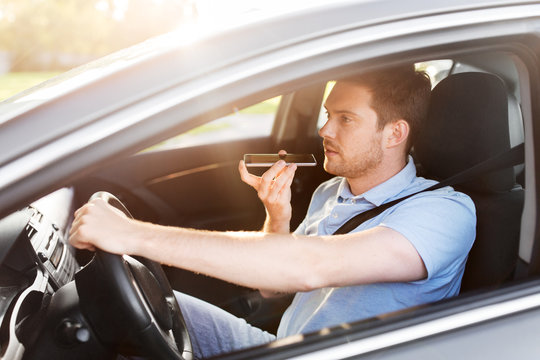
(440, 224)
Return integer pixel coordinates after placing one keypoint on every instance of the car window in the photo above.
(435, 69)
(251, 122)
(322, 114)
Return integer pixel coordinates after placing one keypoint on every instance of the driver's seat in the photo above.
(468, 122)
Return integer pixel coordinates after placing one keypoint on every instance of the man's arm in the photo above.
(274, 190)
(275, 262)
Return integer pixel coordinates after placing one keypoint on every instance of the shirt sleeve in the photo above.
(301, 229)
(440, 224)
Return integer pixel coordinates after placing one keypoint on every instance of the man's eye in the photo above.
(345, 119)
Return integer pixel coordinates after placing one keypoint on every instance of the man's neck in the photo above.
(365, 182)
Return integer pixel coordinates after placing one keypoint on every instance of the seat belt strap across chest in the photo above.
(514, 156)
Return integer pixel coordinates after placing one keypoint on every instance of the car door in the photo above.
(192, 180)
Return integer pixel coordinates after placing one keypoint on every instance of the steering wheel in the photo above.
(130, 304)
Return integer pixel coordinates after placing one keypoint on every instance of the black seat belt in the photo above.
(514, 156)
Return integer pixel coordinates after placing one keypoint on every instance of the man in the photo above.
(410, 254)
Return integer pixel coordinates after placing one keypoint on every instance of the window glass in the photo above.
(322, 114)
(251, 122)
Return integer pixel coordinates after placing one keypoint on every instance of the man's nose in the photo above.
(327, 130)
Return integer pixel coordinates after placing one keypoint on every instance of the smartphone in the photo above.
(267, 160)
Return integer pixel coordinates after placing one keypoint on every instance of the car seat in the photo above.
(468, 123)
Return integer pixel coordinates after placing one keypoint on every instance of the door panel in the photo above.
(199, 187)
(196, 187)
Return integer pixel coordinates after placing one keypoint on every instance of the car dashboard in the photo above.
(35, 261)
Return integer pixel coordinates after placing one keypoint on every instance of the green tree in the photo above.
(58, 34)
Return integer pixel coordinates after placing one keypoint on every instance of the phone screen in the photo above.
(266, 160)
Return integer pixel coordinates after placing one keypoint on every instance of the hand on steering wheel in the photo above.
(130, 304)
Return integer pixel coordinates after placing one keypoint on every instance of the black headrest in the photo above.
(467, 123)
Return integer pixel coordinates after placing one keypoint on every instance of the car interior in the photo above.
(475, 115)
(199, 186)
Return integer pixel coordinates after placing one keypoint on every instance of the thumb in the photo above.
(246, 177)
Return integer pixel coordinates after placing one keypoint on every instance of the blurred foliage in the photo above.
(12, 83)
(59, 34)
(266, 107)
(228, 127)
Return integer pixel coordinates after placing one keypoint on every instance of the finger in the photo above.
(292, 172)
(99, 202)
(286, 176)
(116, 210)
(283, 182)
(73, 238)
(103, 208)
(282, 152)
(246, 177)
(281, 171)
(274, 171)
(81, 245)
(267, 179)
(81, 215)
(91, 248)
(74, 227)
(77, 218)
(79, 211)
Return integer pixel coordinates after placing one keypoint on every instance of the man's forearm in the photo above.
(253, 259)
(285, 262)
(231, 256)
(269, 261)
(270, 227)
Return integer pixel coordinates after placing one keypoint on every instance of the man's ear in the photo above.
(397, 133)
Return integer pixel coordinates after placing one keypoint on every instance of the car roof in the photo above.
(90, 106)
(279, 27)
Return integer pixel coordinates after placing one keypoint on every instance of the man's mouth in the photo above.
(329, 152)
(329, 149)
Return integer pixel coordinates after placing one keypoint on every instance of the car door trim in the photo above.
(182, 173)
(426, 329)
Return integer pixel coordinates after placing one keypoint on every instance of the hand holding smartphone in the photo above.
(267, 160)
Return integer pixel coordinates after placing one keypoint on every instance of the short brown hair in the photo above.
(397, 93)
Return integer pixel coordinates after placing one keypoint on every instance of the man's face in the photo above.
(352, 142)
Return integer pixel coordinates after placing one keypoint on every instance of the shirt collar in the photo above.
(382, 192)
